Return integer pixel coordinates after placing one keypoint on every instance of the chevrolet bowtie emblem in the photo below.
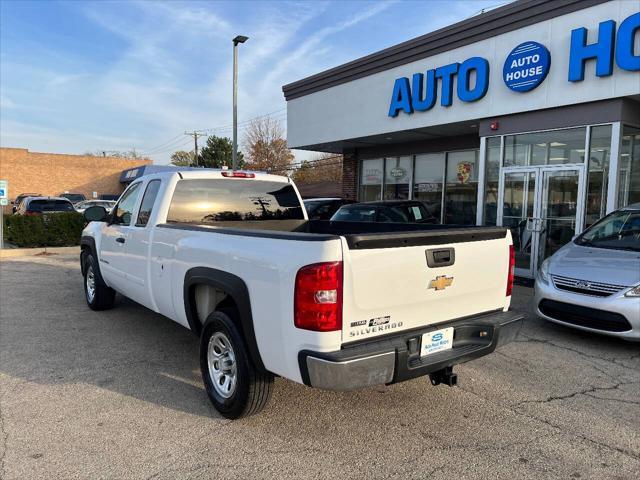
(441, 282)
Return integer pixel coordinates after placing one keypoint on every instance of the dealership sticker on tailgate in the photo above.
(437, 341)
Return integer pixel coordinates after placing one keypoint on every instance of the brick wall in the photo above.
(350, 176)
(52, 173)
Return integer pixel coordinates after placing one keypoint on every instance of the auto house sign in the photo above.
(523, 70)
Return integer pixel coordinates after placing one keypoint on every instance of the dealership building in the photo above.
(526, 116)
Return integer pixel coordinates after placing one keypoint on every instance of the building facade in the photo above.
(53, 173)
(527, 116)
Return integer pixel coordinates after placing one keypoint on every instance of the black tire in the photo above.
(252, 388)
(103, 297)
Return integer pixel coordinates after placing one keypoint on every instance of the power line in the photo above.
(168, 145)
(317, 160)
(173, 142)
(244, 122)
(162, 145)
(309, 163)
(174, 147)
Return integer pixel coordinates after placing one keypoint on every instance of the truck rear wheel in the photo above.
(233, 384)
(97, 294)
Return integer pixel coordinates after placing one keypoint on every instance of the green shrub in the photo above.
(61, 229)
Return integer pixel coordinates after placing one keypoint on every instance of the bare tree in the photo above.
(182, 158)
(131, 154)
(266, 146)
(326, 167)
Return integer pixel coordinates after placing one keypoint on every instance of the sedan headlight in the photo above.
(543, 272)
(634, 292)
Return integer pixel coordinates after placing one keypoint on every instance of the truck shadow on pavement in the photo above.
(50, 336)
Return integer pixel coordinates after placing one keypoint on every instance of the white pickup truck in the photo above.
(334, 305)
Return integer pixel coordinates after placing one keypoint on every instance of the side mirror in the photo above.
(95, 214)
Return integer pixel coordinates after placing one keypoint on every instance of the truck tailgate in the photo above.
(390, 287)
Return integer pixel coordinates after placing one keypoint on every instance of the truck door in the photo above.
(114, 239)
(137, 248)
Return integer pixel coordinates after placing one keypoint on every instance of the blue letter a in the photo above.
(401, 97)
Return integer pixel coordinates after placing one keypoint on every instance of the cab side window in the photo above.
(124, 209)
(148, 200)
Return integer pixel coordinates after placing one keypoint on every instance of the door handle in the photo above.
(440, 257)
(120, 240)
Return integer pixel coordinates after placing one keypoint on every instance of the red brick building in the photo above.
(52, 173)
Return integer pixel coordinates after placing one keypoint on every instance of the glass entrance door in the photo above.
(543, 208)
(519, 191)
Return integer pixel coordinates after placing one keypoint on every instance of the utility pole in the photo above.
(195, 134)
(236, 41)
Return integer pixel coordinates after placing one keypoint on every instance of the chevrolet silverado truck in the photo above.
(232, 256)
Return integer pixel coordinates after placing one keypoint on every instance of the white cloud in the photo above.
(5, 102)
(45, 139)
(312, 45)
(169, 70)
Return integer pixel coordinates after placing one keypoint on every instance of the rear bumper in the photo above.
(395, 359)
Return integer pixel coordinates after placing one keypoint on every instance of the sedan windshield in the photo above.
(412, 213)
(620, 231)
(355, 214)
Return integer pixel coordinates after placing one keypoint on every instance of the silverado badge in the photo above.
(441, 282)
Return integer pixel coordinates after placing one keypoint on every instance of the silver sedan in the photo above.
(593, 282)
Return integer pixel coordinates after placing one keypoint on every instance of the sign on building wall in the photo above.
(524, 69)
(584, 56)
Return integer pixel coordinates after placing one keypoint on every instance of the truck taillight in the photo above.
(511, 273)
(318, 297)
(234, 174)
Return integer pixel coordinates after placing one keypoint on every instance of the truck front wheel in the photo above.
(97, 294)
(233, 384)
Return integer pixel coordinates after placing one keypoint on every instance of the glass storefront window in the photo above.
(428, 181)
(492, 179)
(598, 175)
(629, 179)
(397, 178)
(371, 180)
(545, 148)
(461, 189)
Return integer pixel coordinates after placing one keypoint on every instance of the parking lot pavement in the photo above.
(118, 394)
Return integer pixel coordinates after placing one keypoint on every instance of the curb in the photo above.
(30, 252)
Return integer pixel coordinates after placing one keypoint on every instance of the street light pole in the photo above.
(236, 41)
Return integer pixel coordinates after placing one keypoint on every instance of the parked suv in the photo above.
(19, 198)
(40, 205)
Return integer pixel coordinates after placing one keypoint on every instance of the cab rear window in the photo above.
(233, 202)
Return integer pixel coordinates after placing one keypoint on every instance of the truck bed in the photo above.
(359, 235)
(363, 235)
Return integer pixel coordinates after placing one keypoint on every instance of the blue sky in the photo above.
(101, 75)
